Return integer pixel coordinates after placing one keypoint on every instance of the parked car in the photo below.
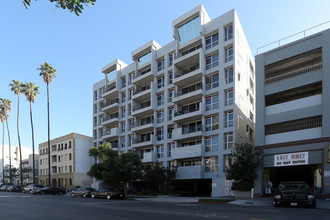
(82, 191)
(50, 190)
(108, 194)
(294, 193)
(13, 188)
(3, 188)
(31, 188)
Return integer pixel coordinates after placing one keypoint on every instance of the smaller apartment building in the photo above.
(70, 161)
(293, 113)
(27, 165)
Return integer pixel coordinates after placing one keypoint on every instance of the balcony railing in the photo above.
(139, 140)
(294, 73)
(110, 87)
(139, 90)
(106, 104)
(138, 74)
(186, 71)
(110, 117)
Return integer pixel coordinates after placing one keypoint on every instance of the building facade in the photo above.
(183, 104)
(70, 161)
(293, 116)
(27, 165)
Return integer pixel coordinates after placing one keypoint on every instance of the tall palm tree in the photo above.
(5, 105)
(17, 88)
(48, 73)
(2, 119)
(31, 90)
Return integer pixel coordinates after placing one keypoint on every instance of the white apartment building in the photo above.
(28, 165)
(15, 159)
(183, 104)
(70, 161)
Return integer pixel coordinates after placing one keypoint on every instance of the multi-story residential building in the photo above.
(70, 161)
(293, 116)
(14, 161)
(28, 169)
(183, 104)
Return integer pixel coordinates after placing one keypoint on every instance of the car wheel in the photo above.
(275, 204)
(108, 197)
(84, 195)
(72, 194)
(42, 193)
(313, 206)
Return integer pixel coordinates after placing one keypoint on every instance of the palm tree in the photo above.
(48, 73)
(2, 119)
(17, 88)
(5, 105)
(31, 90)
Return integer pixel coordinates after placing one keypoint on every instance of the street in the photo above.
(27, 206)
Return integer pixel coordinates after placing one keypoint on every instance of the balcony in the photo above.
(112, 106)
(143, 128)
(111, 134)
(110, 121)
(142, 78)
(178, 135)
(145, 142)
(111, 91)
(141, 94)
(294, 105)
(294, 73)
(188, 76)
(140, 112)
(188, 97)
(188, 57)
(187, 152)
(189, 172)
(190, 115)
(148, 157)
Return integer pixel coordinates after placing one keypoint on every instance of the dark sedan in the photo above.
(82, 191)
(13, 188)
(294, 193)
(50, 190)
(108, 194)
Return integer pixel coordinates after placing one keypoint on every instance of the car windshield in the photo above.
(292, 186)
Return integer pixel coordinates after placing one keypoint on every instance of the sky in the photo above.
(78, 48)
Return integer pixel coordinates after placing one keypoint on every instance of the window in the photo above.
(170, 95)
(229, 116)
(145, 58)
(145, 104)
(170, 129)
(130, 124)
(192, 127)
(160, 99)
(212, 61)
(225, 162)
(130, 78)
(212, 123)
(123, 112)
(212, 41)
(170, 78)
(160, 82)
(212, 81)
(170, 113)
(146, 120)
(123, 97)
(211, 164)
(129, 108)
(211, 144)
(123, 127)
(228, 139)
(122, 142)
(95, 108)
(160, 64)
(70, 156)
(171, 58)
(229, 33)
(160, 151)
(160, 116)
(229, 54)
(95, 95)
(70, 169)
(160, 134)
(189, 30)
(130, 140)
(123, 82)
(130, 93)
(170, 146)
(212, 102)
(193, 162)
(229, 97)
(229, 76)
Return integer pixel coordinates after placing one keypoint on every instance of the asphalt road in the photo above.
(48, 207)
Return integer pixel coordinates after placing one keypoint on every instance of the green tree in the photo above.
(31, 90)
(75, 6)
(17, 88)
(5, 106)
(159, 176)
(243, 161)
(2, 119)
(114, 168)
(48, 73)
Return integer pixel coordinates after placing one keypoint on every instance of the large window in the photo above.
(160, 82)
(212, 81)
(160, 134)
(212, 61)
(191, 127)
(229, 76)
(160, 64)
(160, 99)
(189, 30)
(212, 41)
(212, 102)
(211, 164)
(212, 123)
(229, 33)
(170, 95)
(229, 54)
(145, 58)
(229, 97)
(211, 143)
(171, 58)
(160, 116)
(228, 140)
(160, 151)
(229, 119)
